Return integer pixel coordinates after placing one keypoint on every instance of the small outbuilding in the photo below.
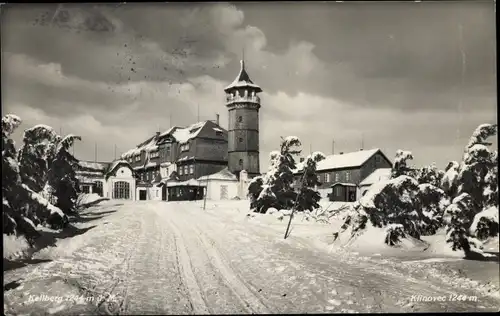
(343, 192)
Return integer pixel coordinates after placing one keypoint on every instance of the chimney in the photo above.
(341, 153)
(217, 119)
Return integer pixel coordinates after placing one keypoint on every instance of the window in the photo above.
(98, 188)
(138, 158)
(337, 177)
(347, 176)
(185, 147)
(378, 158)
(240, 119)
(327, 177)
(86, 189)
(154, 154)
(240, 140)
(180, 170)
(121, 190)
(191, 169)
(167, 151)
(240, 162)
(218, 133)
(186, 169)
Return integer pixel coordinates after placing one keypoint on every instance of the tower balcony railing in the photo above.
(250, 98)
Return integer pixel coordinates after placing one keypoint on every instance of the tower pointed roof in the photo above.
(243, 80)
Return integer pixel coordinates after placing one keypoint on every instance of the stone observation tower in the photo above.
(243, 131)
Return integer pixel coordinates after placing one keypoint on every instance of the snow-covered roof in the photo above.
(242, 80)
(93, 165)
(87, 179)
(224, 174)
(376, 176)
(89, 173)
(345, 184)
(180, 134)
(339, 161)
(190, 182)
(115, 164)
(168, 131)
(185, 158)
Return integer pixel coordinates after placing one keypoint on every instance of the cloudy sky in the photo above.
(414, 76)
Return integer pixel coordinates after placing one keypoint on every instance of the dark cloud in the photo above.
(402, 74)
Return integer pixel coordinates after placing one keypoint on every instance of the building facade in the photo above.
(340, 175)
(111, 180)
(183, 162)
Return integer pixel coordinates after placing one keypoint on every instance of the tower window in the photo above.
(240, 139)
(240, 162)
(240, 119)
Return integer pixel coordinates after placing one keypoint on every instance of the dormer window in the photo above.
(154, 154)
(185, 147)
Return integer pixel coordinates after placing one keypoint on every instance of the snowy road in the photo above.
(175, 258)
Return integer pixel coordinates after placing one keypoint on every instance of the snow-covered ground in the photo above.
(89, 199)
(176, 258)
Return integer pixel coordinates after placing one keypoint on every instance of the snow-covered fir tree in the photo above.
(275, 189)
(62, 179)
(400, 166)
(38, 150)
(11, 181)
(308, 195)
(23, 208)
(449, 179)
(430, 174)
(473, 215)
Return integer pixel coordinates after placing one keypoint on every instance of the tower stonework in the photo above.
(243, 105)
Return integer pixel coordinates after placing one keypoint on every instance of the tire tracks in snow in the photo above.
(196, 300)
(247, 299)
(152, 283)
(233, 279)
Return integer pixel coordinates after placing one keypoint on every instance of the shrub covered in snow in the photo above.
(432, 202)
(473, 215)
(431, 175)
(394, 233)
(404, 205)
(275, 188)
